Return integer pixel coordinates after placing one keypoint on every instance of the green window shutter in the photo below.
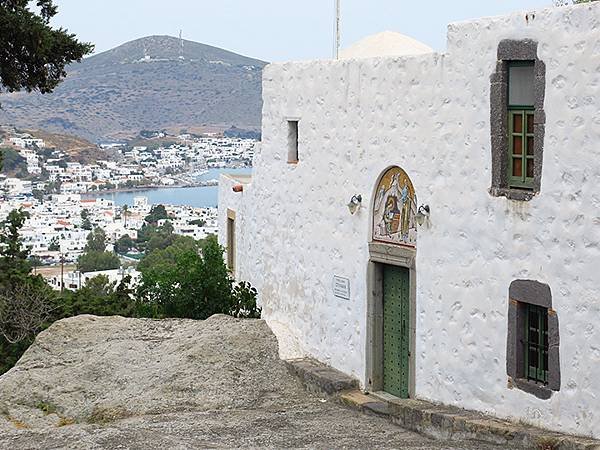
(521, 147)
(536, 343)
(520, 124)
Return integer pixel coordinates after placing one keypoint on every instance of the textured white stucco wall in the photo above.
(430, 115)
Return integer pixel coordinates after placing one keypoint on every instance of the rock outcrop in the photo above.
(110, 382)
(95, 369)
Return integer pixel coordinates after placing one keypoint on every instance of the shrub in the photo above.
(244, 301)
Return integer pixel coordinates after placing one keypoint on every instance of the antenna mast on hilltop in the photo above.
(337, 29)
(180, 46)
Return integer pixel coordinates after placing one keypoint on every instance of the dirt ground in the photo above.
(51, 271)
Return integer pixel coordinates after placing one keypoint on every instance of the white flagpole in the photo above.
(337, 29)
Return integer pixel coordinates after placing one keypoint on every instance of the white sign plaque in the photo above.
(341, 287)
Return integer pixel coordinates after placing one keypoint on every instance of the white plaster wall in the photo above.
(430, 115)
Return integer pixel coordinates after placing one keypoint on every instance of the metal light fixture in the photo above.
(355, 203)
(422, 214)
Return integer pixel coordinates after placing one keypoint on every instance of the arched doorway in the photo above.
(391, 285)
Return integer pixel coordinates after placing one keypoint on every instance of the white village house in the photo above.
(467, 272)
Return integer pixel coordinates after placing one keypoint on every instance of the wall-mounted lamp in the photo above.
(238, 188)
(355, 203)
(422, 214)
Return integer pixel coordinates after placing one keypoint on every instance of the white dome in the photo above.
(387, 43)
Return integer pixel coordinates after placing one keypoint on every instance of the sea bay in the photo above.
(197, 196)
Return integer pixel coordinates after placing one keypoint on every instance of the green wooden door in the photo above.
(396, 326)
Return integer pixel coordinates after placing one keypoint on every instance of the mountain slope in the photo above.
(150, 83)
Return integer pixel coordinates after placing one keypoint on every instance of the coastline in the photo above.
(148, 187)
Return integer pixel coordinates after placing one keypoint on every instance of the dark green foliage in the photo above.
(158, 212)
(191, 280)
(151, 237)
(159, 257)
(145, 233)
(54, 245)
(10, 353)
(33, 55)
(95, 257)
(244, 301)
(94, 261)
(53, 187)
(199, 222)
(35, 261)
(106, 186)
(13, 162)
(13, 257)
(125, 214)
(15, 273)
(124, 244)
(215, 295)
(85, 220)
(38, 195)
(161, 238)
(100, 298)
(96, 241)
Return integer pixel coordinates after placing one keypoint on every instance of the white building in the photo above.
(493, 146)
(16, 186)
(74, 280)
(26, 140)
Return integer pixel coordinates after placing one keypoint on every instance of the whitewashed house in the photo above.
(430, 224)
(74, 280)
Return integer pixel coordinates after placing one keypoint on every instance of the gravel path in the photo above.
(115, 383)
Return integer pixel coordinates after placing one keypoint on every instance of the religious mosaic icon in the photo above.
(395, 209)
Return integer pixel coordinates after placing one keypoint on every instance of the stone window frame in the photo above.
(520, 293)
(515, 50)
(293, 125)
(231, 240)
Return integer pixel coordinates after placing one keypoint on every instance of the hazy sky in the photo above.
(272, 30)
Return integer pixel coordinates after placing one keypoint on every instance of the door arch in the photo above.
(391, 282)
(394, 209)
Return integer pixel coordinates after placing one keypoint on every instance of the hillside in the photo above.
(78, 149)
(149, 83)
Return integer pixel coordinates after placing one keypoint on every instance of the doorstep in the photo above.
(447, 422)
(438, 421)
(320, 378)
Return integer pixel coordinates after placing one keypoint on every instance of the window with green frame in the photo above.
(520, 124)
(535, 344)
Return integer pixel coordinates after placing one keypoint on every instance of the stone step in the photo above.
(320, 378)
(446, 422)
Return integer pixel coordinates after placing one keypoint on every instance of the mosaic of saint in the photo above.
(395, 209)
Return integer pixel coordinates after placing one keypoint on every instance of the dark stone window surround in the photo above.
(515, 50)
(535, 293)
